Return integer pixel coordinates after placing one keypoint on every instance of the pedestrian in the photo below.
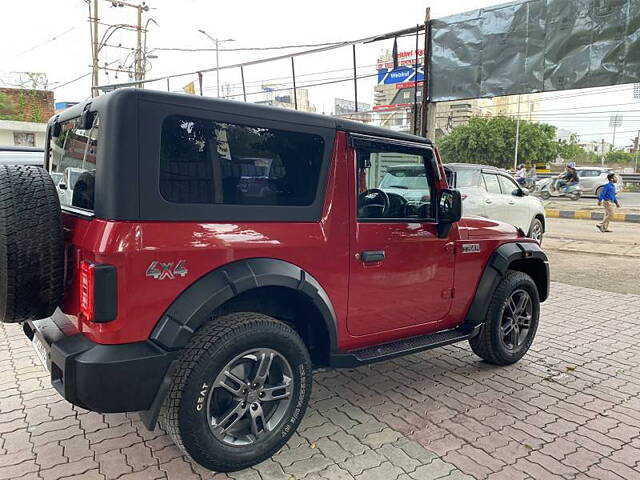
(608, 196)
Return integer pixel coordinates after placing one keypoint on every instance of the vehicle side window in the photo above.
(491, 183)
(204, 161)
(508, 185)
(394, 184)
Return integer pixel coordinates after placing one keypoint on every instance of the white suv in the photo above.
(492, 193)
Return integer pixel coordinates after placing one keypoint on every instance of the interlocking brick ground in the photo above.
(570, 409)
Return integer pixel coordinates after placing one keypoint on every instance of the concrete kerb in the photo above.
(590, 215)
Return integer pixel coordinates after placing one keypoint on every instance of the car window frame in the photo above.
(518, 189)
(432, 174)
(485, 183)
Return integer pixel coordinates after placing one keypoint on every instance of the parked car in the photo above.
(593, 179)
(170, 291)
(408, 181)
(492, 193)
(22, 156)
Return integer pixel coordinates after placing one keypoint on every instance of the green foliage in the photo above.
(570, 150)
(620, 157)
(491, 141)
(7, 109)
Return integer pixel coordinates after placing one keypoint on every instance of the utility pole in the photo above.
(139, 61)
(515, 157)
(635, 168)
(217, 42)
(93, 25)
(602, 159)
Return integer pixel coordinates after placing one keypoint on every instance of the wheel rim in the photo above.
(516, 320)
(250, 397)
(536, 231)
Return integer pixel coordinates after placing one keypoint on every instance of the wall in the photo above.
(27, 105)
(8, 127)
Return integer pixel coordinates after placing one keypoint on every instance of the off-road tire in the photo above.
(210, 349)
(31, 244)
(487, 344)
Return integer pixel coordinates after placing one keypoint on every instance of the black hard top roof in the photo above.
(239, 108)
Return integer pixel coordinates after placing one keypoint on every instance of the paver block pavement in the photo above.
(568, 410)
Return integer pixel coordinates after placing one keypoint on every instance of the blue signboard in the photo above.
(402, 74)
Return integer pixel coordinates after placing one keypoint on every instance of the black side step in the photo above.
(404, 346)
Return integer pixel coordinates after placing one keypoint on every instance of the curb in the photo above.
(589, 215)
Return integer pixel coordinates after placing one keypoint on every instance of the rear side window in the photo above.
(467, 178)
(491, 183)
(208, 162)
(72, 163)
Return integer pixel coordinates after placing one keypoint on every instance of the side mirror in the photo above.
(524, 192)
(449, 210)
(62, 186)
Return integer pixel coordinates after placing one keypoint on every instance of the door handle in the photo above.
(372, 256)
(488, 200)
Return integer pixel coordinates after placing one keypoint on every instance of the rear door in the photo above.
(517, 207)
(495, 204)
(401, 273)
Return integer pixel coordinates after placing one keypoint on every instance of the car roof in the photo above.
(473, 166)
(125, 95)
(592, 168)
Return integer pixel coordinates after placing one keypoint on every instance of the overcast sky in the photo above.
(53, 37)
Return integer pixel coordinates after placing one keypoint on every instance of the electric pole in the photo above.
(635, 168)
(515, 159)
(93, 29)
(139, 54)
(217, 42)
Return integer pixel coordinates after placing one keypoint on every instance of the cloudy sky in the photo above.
(53, 37)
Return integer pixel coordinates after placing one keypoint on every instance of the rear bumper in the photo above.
(101, 378)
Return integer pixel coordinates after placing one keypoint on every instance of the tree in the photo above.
(491, 141)
(570, 150)
(617, 156)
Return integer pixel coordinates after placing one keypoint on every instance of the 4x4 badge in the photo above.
(160, 270)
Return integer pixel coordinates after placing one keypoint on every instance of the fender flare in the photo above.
(501, 259)
(194, 306)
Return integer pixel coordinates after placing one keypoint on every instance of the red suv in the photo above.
(211, 253)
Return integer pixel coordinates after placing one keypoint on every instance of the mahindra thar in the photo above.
(199, 257)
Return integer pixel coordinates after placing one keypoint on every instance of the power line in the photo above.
(243, 49)
(52, 39)
(72, 81)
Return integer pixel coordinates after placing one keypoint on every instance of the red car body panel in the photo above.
(425, 283)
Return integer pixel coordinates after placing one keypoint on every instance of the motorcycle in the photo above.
(546, 189)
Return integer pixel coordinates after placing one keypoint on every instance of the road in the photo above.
(627, 199)
(582, 256)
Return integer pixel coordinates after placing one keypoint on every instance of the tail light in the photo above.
(98, 292)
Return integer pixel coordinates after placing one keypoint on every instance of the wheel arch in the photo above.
(526, 257)
(271, 286)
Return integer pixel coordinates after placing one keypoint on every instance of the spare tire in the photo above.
(31, 244)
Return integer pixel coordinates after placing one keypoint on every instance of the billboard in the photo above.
(343, 106)
(535, 46)
(406, 71)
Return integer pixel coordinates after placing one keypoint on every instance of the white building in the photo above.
(22, 134)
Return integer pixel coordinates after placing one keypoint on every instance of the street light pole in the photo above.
(217, 42)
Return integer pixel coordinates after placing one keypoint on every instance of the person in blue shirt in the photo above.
(608, 197)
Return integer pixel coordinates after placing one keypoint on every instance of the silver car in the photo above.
(592, 179)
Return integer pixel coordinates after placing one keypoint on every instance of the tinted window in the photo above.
(73, 155)
(467, 178)
(403, 193)
(203, 161)
(491, 183)
(508, 185)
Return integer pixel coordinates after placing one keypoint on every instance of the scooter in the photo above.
(545, 189)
